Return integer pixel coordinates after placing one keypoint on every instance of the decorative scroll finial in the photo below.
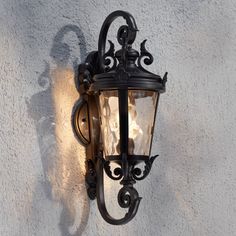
(127, 198)
(148, 58)
(132, 29)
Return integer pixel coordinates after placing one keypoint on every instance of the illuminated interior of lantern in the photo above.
(109, 109)
(141, 108)
(142, 105)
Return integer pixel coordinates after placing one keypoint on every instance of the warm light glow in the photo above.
(109, 109)
(141, 111)
(135, 131)
(142, 105)
(70, 167)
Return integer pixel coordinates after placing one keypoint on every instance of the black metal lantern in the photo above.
(115, 115)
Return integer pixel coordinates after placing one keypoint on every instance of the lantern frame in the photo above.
(122, 71)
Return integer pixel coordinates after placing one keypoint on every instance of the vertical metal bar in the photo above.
(124, 122)
(124, 134)
(154, 121)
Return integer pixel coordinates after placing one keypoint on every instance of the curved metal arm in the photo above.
(127, 198)
(103, 33)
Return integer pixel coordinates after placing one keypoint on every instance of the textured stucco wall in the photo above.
(192, 187)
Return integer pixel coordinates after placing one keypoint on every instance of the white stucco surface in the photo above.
(192, 187)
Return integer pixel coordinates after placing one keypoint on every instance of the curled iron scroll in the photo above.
(145, 56)
(137, 172)
(132, 29)
(117, 173)
(110, 54)
(127, 198)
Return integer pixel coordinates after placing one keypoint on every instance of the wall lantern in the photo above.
(115, 115)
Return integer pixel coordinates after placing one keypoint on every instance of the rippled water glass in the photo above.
(109, 110)
(141, 114)
(142, 106)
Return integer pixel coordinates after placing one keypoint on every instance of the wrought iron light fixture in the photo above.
(115, 115)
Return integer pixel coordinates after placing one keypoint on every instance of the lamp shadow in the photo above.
(61, 156)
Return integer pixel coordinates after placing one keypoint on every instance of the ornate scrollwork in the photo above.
(110, 54)
(91, 179)
(104, 30)
(127, 196)
(136, 172)
(118, 173)
(144, 54)
(164, 80)
(86, 71)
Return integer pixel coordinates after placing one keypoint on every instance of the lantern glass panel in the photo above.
(142, 107)
(109, 113)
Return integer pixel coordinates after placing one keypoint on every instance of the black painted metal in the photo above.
(130, 34)
(127, 198)
(123, 113)
(121, 70)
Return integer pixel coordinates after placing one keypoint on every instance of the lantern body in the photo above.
(115, 116)
(141, 109)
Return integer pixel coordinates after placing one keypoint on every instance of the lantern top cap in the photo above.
(123, 69)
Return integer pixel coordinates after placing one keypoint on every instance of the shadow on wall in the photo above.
(62, 158)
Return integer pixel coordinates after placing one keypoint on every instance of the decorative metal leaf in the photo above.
(144, 54)
(164, 80)
(148, 165)
(117, 171)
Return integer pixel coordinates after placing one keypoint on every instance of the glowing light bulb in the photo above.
(135, 131)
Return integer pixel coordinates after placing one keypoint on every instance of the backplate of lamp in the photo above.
(81, 122)
(115, 116)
